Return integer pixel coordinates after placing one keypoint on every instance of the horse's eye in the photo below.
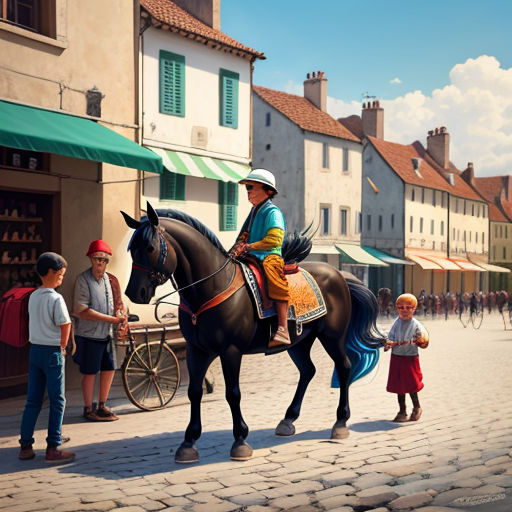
(151, 249)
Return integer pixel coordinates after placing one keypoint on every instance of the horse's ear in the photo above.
(130, 221)
(152, 215)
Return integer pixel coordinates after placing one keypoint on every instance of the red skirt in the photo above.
(404, 375)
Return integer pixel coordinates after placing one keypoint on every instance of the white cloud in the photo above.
(476, 108)
(395, 80)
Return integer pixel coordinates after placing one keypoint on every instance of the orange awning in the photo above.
(444, 263)
(422, 262)
(466, 265)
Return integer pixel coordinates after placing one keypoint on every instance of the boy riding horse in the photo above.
(262, 235)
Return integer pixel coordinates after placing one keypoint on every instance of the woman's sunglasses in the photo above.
(249, 187)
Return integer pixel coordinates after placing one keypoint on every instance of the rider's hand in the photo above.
(388, 345)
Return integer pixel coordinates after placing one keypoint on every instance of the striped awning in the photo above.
(466, 265)
(480, 261)
(351, 253)
(388, 258)
(201, 166)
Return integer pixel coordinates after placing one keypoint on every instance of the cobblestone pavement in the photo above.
(457, 457)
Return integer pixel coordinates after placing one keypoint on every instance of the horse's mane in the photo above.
(296, 246)
(194, 223)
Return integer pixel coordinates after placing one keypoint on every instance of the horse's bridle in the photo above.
(162, 275)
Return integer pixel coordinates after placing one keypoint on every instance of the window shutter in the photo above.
(172, 186)
(172, 84)
(228, 202)
(228, 101)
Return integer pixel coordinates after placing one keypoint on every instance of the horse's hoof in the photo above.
(285, 428)
(339, 431)
(186, 453)
(240, 451)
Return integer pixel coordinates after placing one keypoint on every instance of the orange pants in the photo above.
(277, 283)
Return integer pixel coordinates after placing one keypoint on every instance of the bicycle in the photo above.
(463, 310)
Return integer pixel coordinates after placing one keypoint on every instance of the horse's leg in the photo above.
(301, 356)
(342, 364)
(231, 360)
(198, 362)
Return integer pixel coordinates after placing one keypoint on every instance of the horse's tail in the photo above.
(363, 338)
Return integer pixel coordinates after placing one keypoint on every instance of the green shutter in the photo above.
(172, 84)
(172, 186)
(228, 202)
(228, 101)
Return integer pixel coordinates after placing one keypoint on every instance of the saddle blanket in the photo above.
(306, 302)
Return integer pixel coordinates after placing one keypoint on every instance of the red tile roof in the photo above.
(353, 123)
(167, 14)
(493, 189)
(399, 158)
(304, 114)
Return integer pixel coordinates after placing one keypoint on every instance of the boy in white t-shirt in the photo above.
(49, 328)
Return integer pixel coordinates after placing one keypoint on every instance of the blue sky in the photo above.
(431, 63)
(362, 46)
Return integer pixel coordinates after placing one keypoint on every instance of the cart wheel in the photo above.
(151, 376)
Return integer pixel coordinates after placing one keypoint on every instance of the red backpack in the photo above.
(14, 316)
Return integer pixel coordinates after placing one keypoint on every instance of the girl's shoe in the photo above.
(401, 417)
(416, 414)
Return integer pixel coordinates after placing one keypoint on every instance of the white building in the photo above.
(317, 163)
(196, 106)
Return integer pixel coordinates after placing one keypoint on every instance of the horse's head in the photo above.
(153, 258)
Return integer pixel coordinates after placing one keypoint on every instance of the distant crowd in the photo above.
(448, 303)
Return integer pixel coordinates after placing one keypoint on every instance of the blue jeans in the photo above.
(46, 370)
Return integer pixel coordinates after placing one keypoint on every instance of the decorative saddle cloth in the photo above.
(306, 300)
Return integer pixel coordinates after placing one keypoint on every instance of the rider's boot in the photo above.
(281, 337)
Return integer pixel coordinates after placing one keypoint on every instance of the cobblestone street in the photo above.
(457, 457)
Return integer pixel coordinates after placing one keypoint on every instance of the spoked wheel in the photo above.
(477, 317)
(464, 317)
(151, 376)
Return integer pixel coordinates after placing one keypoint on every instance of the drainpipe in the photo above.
(448, 240)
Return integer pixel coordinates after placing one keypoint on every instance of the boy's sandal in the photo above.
(401, 417)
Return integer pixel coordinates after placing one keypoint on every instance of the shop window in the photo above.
(172, 186)
(172, 84)
(228, 92)
(228, 206)
(23, 159)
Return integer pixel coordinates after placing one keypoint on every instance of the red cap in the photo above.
(99, 246)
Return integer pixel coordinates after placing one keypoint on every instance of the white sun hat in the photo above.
(261, 176)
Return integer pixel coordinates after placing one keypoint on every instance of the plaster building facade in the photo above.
(317, 162)
(420, 209)
(497, 191)
(196, 100)
(68, 131)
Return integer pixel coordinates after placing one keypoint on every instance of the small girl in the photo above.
(404, 338)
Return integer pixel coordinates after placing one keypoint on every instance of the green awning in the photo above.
(355, 254)
(201, 166)
(36, 129)
(386, 257)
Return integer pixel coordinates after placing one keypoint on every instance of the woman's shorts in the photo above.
(93, 355)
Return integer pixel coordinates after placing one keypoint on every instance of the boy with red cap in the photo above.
(97, 307)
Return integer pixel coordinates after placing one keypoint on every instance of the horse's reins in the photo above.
(236, 283)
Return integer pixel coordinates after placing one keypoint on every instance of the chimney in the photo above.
(438, 146)
(468, 175)
(207, 11)
(373, 119)
(315, 90)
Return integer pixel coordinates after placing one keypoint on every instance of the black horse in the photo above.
(189, 253)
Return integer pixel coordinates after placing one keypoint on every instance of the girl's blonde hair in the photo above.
(408, 298)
